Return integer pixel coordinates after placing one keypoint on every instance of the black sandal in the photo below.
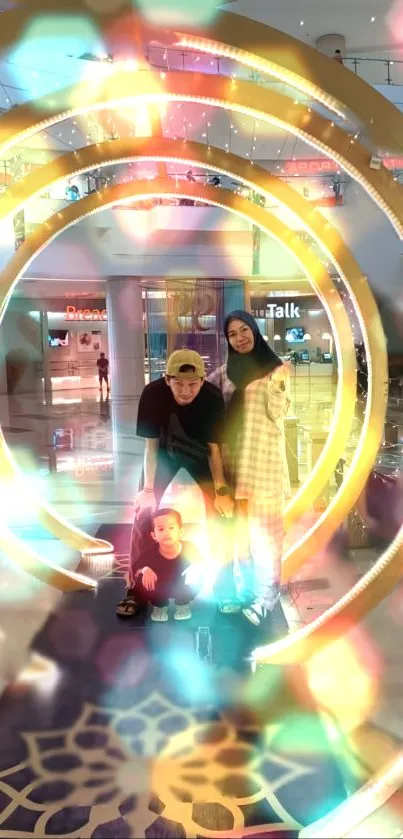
(127, 608)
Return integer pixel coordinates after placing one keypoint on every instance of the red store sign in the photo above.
(325, 166)
(72, 313)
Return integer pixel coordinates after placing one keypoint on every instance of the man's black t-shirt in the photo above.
(183, 430)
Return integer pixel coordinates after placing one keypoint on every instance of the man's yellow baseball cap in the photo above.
(185, 358)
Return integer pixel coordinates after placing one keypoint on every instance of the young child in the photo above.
(168, 570)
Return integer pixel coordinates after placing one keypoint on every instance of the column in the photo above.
(315, 447)
(328, 44)
(47, 375)
(257, 235)
(233, 296)
(291, 435)
(4, 408)
(124, 307)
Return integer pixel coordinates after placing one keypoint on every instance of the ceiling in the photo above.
(307, 20)
(30, 69)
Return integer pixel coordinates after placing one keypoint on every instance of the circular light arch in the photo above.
(250, 42)
(367, 447)
(126, 88)
(256, 177)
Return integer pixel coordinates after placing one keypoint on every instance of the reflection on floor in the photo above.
(124, 708)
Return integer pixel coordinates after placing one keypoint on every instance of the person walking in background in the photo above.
(103, 371)
(255, 386)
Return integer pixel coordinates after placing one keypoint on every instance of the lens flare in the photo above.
(52, 41)
(178, 12)
(344, 677)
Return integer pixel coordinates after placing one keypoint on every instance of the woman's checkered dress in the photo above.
(259, 475)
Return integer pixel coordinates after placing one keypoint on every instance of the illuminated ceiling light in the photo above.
(373, 19)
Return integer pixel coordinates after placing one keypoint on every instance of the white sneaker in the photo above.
(159, 613)
(255, 613)
(182, 613)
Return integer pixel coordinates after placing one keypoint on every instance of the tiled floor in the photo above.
(83, 456)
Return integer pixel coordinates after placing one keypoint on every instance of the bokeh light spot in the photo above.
(52, 41)
(122, 660)
(176, 12)
(73, 634)
(348, 668)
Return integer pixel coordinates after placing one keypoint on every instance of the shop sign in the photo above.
(325, 166)
(72, 313)
(289, 310)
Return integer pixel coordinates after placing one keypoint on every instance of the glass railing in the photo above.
(376, 71)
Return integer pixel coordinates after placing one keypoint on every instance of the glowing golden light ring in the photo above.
(363, 460)
(375, 585)
(32, 563)
(125, 89)
(250, 42)
(307, 70)
(361, 805)
(52, 521)
(383, 122)
(159, 149)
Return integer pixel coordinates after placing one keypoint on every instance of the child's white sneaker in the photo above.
(182, 613)
(159, 613)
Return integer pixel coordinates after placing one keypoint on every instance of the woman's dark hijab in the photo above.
(244, 368)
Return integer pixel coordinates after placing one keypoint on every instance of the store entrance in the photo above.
(188, 313)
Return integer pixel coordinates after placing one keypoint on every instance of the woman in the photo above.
(255, 385)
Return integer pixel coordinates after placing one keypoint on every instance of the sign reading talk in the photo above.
(289, 310)
(72, 313)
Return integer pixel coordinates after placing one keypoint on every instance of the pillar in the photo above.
(4, 408)
(124, 306)
(328, 44)
(47, 375)
(234, 295)
(315, 447)
(257, 235)
(291, 435)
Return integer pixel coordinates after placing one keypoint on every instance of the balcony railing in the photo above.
(376, 71)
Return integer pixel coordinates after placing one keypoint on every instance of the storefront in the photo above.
(59, 337)
(189, 313)
(74, 338)
(63, 337)
(297, 327)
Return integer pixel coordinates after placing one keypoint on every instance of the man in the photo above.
(180, 416)
(103, 370)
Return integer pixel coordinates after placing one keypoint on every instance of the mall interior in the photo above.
(161, 165)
